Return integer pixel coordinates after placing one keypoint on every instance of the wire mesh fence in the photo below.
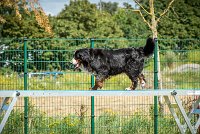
(180, 66)
(49, 68)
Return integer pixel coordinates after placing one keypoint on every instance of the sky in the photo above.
(53, 7)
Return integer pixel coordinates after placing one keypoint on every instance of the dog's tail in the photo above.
(149, 47)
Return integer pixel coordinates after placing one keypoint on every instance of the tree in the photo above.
(180, 22)
(77, 20)
(127, 5)
(17, 8)
(106, 27)
(154, 18)
(131, 24)
(81, 19)
(40, 15)
(27, 27)
(18, 23)
(152, 24)
(183, 21)
(110, 7)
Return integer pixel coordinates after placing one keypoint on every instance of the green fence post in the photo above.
(92, 97)
(156, 86)
(25, 88)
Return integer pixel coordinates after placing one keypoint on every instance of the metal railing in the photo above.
(44, 64)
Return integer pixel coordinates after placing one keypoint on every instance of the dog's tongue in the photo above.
(77, 66)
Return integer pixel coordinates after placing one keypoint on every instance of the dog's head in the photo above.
(81, 57)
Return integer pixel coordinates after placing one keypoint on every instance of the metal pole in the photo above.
(156, 86)
(25, 88)
(92, 97)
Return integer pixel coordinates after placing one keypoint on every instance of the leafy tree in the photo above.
(14, 15)
(81, 19)
(107, 27)
(152, 18)
(76, 20)
(183, 21)
(110, 7)
(28, 27)
(127, 5)
(130, 24)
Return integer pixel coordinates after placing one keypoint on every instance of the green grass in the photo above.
(68, 81)
(108, 122)
(81, 81)
(185, 80)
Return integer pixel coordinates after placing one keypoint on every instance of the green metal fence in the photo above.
(45, 64)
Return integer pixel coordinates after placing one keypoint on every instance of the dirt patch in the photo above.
(120, 105)
(56, 106)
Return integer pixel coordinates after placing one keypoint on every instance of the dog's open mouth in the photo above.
(76, 63)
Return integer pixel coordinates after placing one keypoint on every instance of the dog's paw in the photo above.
(96, 89)
(100, 89)
(128, 88)
(92, 89)
(143, 83)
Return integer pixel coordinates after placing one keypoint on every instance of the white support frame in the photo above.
(7, 108)
(187, 118)
(165, 93)
(167, 100)
(53, 93)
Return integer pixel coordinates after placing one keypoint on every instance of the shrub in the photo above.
(167, 124)
(67, 125)
(14, 124)
(6, 71)
(169, 58)
(108, 123)
(194, 56)
(137, 125)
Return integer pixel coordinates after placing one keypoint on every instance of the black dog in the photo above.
(105, 63)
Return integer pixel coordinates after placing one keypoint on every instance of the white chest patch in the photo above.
(74, 61)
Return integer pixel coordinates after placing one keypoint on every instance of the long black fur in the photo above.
(105, 63)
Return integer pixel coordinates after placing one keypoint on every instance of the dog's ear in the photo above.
(85, 55)
(91, 51)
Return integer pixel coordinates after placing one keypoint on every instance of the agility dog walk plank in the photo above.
(166, 93)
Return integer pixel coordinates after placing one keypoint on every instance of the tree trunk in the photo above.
(153, 27)
(155, 35)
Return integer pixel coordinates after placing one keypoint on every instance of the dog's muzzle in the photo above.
(76, 63)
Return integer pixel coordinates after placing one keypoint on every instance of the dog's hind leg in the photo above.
(142, 80)
(133, 76)
(134, 83)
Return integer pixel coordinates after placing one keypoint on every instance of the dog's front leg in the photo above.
(98, 84)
